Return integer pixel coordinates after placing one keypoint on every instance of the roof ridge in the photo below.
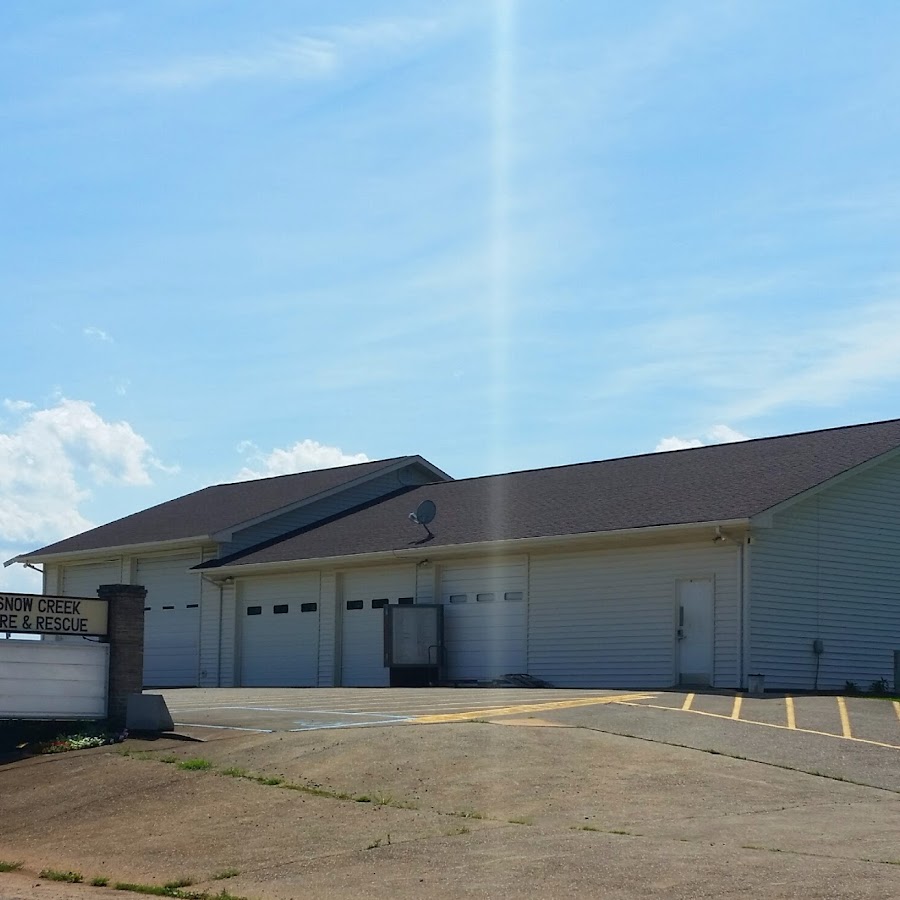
(368, 462)
(658, 453)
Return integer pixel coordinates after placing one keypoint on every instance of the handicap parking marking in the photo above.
(488, 713)
(846, 733)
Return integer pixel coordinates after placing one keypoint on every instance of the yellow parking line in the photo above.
(698, 712)
(897, 708)
(845, 718)
(687, 702)
(789, 709)
(525, 708)
(736, 709)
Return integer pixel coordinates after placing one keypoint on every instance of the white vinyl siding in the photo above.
(279, 641)
(328, 619)
(608, 618)
(171, 619)
(829, 568)
(362, 629)
(485, 618)
(41, 680)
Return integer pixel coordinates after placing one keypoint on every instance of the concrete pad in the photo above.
(148, 712)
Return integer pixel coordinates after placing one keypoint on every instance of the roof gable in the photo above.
(223, 507)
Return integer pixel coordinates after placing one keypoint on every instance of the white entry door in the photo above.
(695, 631)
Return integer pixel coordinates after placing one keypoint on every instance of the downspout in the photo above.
(741, 615)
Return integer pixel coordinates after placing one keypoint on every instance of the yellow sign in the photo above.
(39, 614)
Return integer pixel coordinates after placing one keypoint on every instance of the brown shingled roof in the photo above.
(214, 508)
(706, 484)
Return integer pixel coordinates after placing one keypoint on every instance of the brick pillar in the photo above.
(126, 645)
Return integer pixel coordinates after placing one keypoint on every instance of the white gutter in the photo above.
(449, 550)
(120, 550)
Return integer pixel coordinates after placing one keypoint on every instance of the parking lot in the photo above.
(864, 720)
(852, 738)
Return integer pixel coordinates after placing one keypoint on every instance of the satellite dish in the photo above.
(425, 512)
(423, 515)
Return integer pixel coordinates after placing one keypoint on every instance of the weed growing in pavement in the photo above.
(225, 873)
(179, 883)
(159, 890)
(235, 772)
(6, 866)
(585, 828)
(468, 814)
(463, 829)
(57, 875)
(378, 842)
(169, 760)
(524, 820)
(196, 764)
(880, 686)
(99, 881)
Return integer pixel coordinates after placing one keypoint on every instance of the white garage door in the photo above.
(485, 619)
(83, 581)
(171, 620)
(279, 631)
(364, 594)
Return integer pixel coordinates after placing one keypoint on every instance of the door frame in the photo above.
(708, 577)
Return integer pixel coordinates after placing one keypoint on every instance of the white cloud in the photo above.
(298, 58)
(301, 57)
(17, 406)
(304, 456)
(718, 434)
(97, 334)
(52, 459)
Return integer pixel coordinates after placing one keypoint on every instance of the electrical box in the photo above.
(414, 637)
(818, 646)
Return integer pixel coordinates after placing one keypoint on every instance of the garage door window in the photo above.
(380, 604)
(308, 607)
(458, 598)
(354, 604)
(406, 601)
(280, 609)
(486, 598)
(514, 596)
(254, 610)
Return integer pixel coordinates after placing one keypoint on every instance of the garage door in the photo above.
(364, 594)
(171, 620)
(83, 581)
(279, 631)
(485, 619)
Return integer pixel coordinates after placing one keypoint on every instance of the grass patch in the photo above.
(270, 781)
(159, 890)
(57, 875)
(585, 828)
(225, 873)
(468, 814)
(235, 772)
(168, 760)
(195, 764)
(99, 881)
(6, 866)
(463, 829)
(524, 820)
(179, 883)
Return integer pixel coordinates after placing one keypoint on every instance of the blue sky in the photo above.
(248, 238)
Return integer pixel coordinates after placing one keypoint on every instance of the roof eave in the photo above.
(426, 551)
(105, 552)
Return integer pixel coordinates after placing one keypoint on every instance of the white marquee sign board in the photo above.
(40, 614)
